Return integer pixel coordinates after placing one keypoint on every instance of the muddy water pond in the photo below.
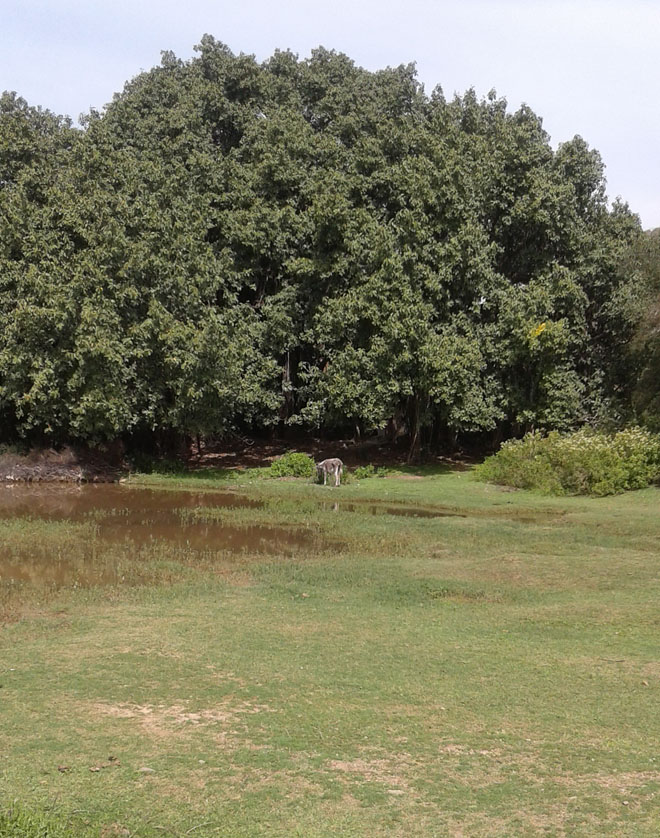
(96, 534)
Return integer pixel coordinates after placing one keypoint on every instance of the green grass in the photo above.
(489, 675)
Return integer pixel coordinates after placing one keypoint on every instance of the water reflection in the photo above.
(76, 502)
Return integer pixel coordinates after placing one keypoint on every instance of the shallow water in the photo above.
(54, 536)
(367, 508)
(112, 526)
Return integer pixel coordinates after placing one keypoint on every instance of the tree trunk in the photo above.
(289, 366)
(414, 422)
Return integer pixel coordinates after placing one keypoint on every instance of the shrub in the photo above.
(149, 464)
(19, 449)
(362, 472)
(582, 463)
(293, 464)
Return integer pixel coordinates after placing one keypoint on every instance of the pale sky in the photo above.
(588, 67)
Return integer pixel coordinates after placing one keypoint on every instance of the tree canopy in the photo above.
(643, 263)
(234, 244)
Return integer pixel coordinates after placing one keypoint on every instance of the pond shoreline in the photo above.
(108, 463)
(70, 465)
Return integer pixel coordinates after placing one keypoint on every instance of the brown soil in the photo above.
(241, 453)
(69, 465)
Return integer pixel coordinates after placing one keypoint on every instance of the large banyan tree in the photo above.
(235, 244)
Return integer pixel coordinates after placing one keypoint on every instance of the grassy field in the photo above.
(491, 672)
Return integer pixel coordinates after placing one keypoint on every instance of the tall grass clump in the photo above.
(582, 463)
(16, 823)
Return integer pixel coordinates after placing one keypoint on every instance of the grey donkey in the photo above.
(332, 466)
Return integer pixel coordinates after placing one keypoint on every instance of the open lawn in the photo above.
(494, 671)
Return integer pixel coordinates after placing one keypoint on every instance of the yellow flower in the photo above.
(535, 332)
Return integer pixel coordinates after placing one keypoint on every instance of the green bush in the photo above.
(293, 464)
(144, 463)
(582, 463)
(362, 472)
(16, 449)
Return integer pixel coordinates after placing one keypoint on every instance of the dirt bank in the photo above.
(69, 465)
(245, 453)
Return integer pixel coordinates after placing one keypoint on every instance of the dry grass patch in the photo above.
(395, 772)
(385, 771)
(163, 721)
(624, 783)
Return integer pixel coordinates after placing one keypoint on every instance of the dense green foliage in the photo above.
(582, 463)
(643, 260)
(293, 464)
(234, 244)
